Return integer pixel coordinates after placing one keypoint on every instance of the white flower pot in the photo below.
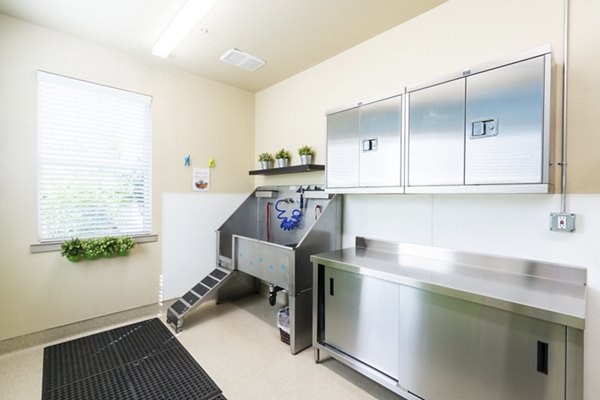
(282, 162)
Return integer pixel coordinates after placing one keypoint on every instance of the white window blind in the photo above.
(94, 160)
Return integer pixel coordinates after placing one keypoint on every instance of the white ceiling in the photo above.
(290, 35)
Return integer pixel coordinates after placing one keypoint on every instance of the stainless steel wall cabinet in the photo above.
(343, 149)
(486, 129)
(438, 324)
(364, 146)
(505, 125)
(437, 135)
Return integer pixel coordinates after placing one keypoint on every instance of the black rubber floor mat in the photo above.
(138, 362)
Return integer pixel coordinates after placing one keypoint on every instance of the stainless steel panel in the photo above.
(380, 137)
(267, 261)
(495, 264)
(343, 149)
(574, 378)
(436, 136)
(509, 59)
(368, 190)
(455, 350)
(449, 347)
(283, 259)
(551, 292)
(513, 95)
(508, 189)
(361, 318)
(243, 221)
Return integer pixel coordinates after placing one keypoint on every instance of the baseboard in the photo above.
(63, 332)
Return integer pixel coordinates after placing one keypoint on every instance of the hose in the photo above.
(287, 224)
(318, 211)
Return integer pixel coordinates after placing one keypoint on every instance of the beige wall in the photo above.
(584, 98)
(191, 115)
(449, 38)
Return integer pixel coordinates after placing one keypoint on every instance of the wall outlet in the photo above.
(562, 222)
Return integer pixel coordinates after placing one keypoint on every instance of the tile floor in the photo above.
(238, 344)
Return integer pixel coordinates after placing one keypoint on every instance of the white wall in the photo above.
(191, 115)
(450, 38)
(190, 221)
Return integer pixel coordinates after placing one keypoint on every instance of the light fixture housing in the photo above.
(186, 19)
(242, 59)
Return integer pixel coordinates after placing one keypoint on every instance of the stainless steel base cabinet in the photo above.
(361, 316)
(430, 323)
(456, 350)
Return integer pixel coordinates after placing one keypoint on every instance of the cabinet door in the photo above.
(455, 350)
(436, 135)
(361, 318)
(504, 124)
(342, 149)
(380, 152)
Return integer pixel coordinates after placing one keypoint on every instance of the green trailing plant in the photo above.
(72, 249)
(125, 244)
(283, 153)
(265, 157)
(91, 248)
(306, 151)
(108, 246)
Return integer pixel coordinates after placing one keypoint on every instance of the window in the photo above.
(94, 160)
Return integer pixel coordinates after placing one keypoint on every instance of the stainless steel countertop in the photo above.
(546, 291)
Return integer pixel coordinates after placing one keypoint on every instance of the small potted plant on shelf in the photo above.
(91, 248)
(72, 249)
(108, 246)
(124, 245)
(283, 158)
(306, 153)
(266, 160)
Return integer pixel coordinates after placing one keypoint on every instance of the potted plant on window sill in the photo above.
(283, 158)
(266, 160)
(306, 153)
(72, 249)
(124, 245)
(108, 246)
(91, 249)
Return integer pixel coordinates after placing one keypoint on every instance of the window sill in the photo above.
(55, 246)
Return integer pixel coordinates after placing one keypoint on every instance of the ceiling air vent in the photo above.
(243, 60)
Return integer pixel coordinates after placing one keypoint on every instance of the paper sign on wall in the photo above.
(201, 179)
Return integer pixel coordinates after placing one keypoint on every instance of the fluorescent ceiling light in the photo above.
(188, 17)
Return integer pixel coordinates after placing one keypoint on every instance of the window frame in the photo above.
(142, 229)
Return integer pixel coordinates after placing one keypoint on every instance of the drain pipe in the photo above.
(564, 221)
(563, 163)
(273, 289)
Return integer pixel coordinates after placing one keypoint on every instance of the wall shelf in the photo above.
(289, 170)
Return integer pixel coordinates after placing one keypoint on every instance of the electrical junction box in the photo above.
(562, 222)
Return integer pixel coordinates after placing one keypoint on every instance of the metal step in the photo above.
(209, 285)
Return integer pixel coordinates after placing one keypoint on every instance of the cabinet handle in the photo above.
(331, 286)
(542, 357)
